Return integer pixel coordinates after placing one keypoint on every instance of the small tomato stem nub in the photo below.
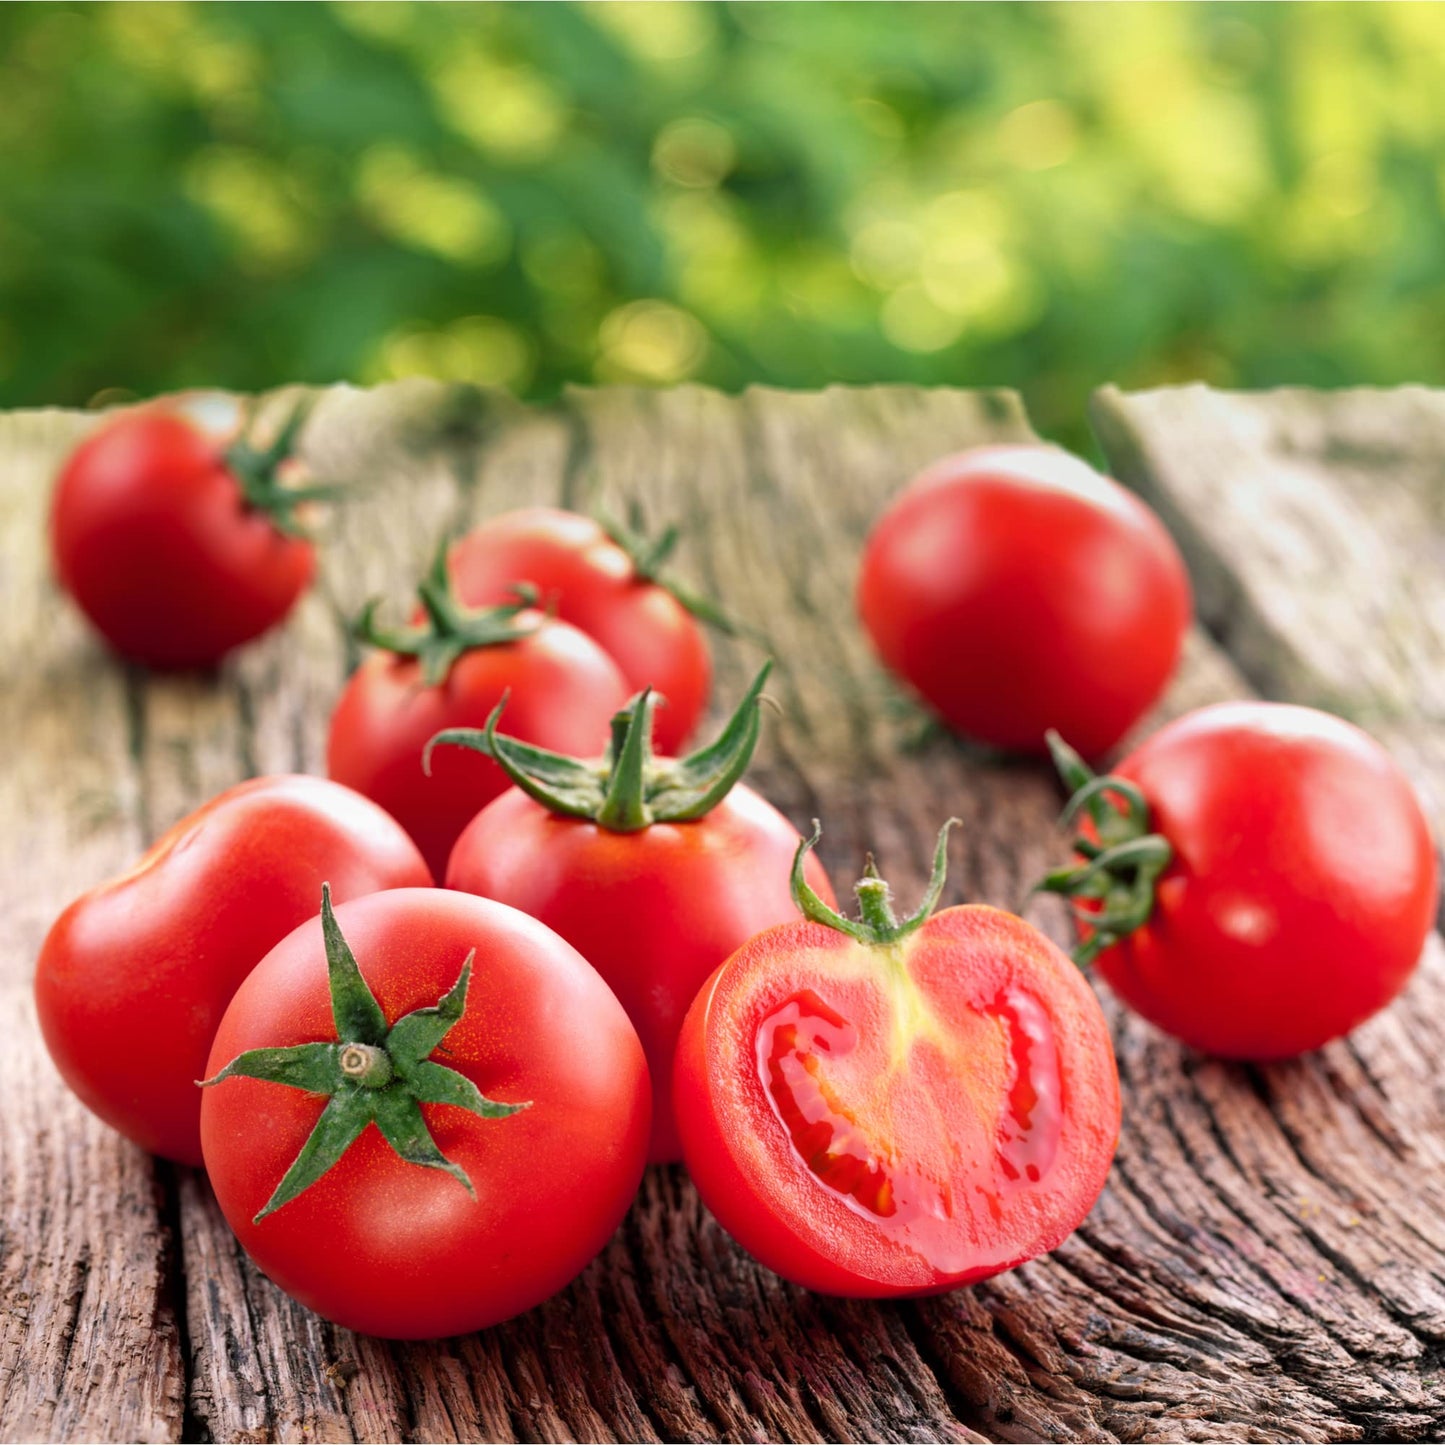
(366, 1064)
(875, 907)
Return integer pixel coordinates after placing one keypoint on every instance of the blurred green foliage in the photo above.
(1046, 197)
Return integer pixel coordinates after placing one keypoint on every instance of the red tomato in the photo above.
(654, 912)
(1018, 590)
(530, 1106)
(897, 1109)
(595, 584)
(178, 545)
(655, 868)
(450, 671)
(134, 976)
(1277, 883)
(563, 691)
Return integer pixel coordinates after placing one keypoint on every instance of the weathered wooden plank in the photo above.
(262, 1367)
(1314, 528)
(1314, 525)
(1264, 1264)
(89, 1343)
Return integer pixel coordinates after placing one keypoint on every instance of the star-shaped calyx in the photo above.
(627, 789)
(448, 629)
(256, 470)
(376, 1073)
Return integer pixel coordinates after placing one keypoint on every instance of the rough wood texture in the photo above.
(1267, 1261)
(1314, 525)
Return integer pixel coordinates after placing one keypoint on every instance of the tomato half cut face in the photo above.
(898, 1119)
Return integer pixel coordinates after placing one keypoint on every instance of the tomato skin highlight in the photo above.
(1303, 886)
(401, 1251)
(654, 911)
(134, 976)
(592, 583)
(1017, 590)
(924, 1089)
(563, 690)
(152, 536)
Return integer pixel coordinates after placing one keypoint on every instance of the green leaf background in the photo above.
(1040, 196)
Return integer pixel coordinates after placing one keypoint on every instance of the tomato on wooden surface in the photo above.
(605, 581)
(1017, 590)
(179, 542)
(450, 670)
(425, 1114)
(1256, 878)
(881, 1108)
(134, 976)
(654, 869)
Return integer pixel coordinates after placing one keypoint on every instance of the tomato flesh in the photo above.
(875, 1121)
(795, 1045)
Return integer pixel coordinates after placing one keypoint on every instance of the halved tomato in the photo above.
(886, 1108)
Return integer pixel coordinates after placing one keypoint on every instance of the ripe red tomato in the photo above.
(654, 896)
(1262, 878)
(1018, 590)
(178, 543)
(885, 1109)
(486, 1127)
(134, 976)
(450, 672)
(608, 590)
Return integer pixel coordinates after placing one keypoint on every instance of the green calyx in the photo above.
(255, 470)
(627, 789)
(649, 555)
(877, 925)
(449, 629)
(1112, 889)
(375, 1073)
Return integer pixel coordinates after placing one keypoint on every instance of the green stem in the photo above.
(1111, 889)
(256, 472)
(627, 788)
(877, 924)
(624, 805)
(450, 630)
(649, 555)
(374, 1074)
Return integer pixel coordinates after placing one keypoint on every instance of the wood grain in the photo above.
(1266, 1262)
(1314, 526)
(89, 1338)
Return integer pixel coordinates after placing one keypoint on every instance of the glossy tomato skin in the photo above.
(562, 690)
(395, 1249)
(592, 583)
(134, 976)
(1018, 590)
(962, 1090)
(1303, 886)
(153, 538)
(654, 912)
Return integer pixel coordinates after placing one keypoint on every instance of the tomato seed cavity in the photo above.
(794, 1044)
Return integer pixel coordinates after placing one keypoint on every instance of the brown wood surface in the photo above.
(1268, 1260)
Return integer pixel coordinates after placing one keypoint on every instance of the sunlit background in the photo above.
(1045, 197)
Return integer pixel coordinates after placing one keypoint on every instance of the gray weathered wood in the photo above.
(1314, 525)
(1265, 1263)
(89, 1344)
